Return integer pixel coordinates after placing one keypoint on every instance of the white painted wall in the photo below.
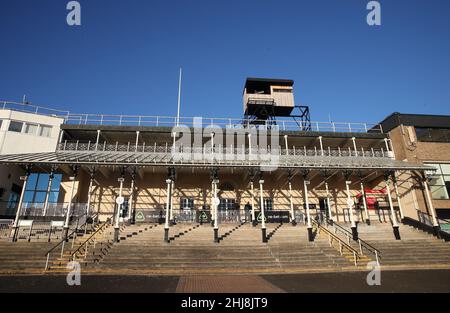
(14, 142)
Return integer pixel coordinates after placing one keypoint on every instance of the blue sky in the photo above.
(125, 56)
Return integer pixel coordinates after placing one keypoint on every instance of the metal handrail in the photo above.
(294, 152)
(361, 243)
(170, 121)
(64, 240)
(342, 244)
(101, 228)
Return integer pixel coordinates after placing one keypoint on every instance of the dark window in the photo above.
(187, 203)
(36, 189)
(15, 126)
(433, 134)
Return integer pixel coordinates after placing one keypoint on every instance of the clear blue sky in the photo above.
(125, 56)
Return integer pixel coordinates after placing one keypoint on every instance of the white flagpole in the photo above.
(179, 97)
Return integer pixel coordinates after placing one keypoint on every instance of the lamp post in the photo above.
(308, 213)
(393, 217)
(166, 224)
(19, 206)
(215, 204)
(254, 222)
(263, 218)
(119, 202)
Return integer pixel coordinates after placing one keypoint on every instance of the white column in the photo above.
(354, 146)
(215, 204)
(97, 139)
(308, 214)
(19, 207)
(169, 184)
(137, 141)
(363, 195)
(285, 144)
(213, 214)
(291, 202)
(253, 200)
(249, 145)
(130, 201)
(397, 194)
(386, 144)
(349, 203)
(430, 203)
(119, 206)
(174, 134)
(321, 145)
(388, 190)
(330, 215)
(261, 199)
(69, 207)
(47, 195)
(172, 188)
(89, 196)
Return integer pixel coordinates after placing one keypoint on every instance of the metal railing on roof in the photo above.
(171, 121)
(168, 148)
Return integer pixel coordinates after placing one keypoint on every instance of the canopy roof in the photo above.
(122, 158)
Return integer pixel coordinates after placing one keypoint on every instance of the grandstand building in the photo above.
(263, 169)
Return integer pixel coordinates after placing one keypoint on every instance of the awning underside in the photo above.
(100, 158)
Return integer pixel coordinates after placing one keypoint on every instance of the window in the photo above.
(15, 126)
(433, 134)
(187, 203)
(45, 131)
(227, 204)
(268, 204)
(283, 90)
(440, 181)
(31, 129)
(36, 188)
(1, 122)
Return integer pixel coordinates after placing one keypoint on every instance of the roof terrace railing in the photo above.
(168, 148)
(285, 124)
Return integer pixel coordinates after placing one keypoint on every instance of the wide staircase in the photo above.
(240, 250)
(22, 256)
(415, 249)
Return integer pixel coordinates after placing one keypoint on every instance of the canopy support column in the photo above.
(47, 195)
(19, 206)
(436, 227)
(350, 204)
(305, 174)
(393, 216)
(119, 202)
(291, 202)
(69, 207)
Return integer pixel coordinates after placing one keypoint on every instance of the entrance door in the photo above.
(323, 207)
(228, 212)
(123, 214)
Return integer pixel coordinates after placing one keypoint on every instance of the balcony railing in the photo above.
(218, 150)
(285, 124)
